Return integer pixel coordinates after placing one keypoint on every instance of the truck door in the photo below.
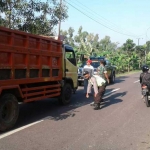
(71, 68)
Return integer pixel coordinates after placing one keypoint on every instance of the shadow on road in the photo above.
(50, 109)
(113, 99)
(120, 79)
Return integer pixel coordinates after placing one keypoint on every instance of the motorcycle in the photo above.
(146, 94)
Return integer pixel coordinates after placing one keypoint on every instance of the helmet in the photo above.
(89, 61)
(145, 68)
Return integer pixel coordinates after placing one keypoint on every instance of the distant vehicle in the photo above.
(111, 70)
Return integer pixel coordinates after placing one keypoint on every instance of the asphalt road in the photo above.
(122, 123)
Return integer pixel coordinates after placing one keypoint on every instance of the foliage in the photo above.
(128, 57)
(41, 16)
(33, 16)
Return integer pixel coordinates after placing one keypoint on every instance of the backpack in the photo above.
(100, 81)
(146, 79)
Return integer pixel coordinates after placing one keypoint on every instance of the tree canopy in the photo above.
(33, 16)
(127, 57)
(41, 16)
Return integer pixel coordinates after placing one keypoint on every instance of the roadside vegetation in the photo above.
(42, 17)
(126, 58)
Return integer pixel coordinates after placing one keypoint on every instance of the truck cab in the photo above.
(33, 68)
(70, 66)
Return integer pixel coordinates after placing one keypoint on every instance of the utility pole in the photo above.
(139, 40)
(59, 24)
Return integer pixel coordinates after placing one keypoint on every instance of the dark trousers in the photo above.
(85, 85)
(104, 90)
(99, 95)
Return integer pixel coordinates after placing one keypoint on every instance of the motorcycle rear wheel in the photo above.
(147, 101)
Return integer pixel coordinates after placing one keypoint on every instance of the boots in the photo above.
(97, 106)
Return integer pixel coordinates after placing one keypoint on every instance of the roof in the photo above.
(97, 58)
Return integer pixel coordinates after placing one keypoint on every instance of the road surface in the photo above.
(122, 123)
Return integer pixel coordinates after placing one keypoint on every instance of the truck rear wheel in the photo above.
(66, 94)
(9, 111)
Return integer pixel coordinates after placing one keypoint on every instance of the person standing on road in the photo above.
(102, 72)
(88, 67)
(98, 84)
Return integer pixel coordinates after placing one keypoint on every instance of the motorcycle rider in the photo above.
(145, 73)
(145, 78)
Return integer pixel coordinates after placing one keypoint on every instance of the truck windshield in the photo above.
(71, 56)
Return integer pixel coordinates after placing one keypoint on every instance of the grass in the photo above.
(127, 73)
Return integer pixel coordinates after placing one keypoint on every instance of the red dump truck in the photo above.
(33, 68)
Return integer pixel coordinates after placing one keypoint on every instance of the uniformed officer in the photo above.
(98, 84)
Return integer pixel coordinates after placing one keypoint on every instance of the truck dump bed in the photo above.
(30, 65)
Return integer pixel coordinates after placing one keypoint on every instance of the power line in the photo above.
(98, 21)
(106, 20)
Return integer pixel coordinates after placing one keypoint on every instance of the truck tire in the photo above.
(66, 94)
(112, 78)
(9, 111)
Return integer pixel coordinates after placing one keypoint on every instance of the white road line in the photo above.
(29, 125)
(108, 93)
(112, 91)
(19, 129)
(136, 81)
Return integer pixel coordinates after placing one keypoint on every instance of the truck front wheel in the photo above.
(65, 94)
(9, 111)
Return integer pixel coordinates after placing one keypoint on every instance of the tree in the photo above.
(129, 48)
(10, 9)
(147, 52)
(105, 42)
(33, 16)
(80, 40)
(140, 50)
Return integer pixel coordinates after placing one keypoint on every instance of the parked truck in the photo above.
(33, 68)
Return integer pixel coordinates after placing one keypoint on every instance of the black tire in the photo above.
(9, 111)
(112, 78)
(66, 94)
(147, 101)
(79, 83)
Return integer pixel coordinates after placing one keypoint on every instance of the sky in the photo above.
(119, 19)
